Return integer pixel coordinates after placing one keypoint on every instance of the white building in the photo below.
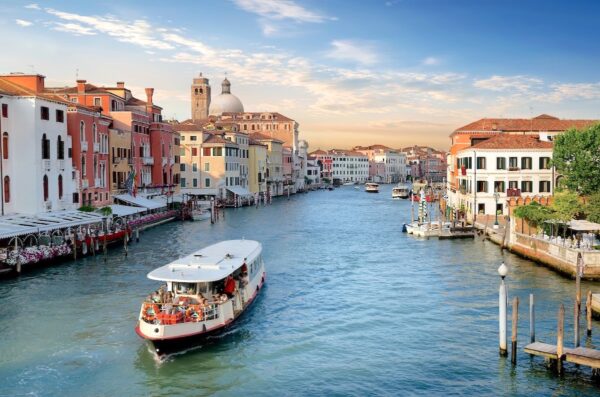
(349, 166)
(36, 171)
(511, 165)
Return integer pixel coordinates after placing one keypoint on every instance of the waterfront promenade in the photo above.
(352, 306)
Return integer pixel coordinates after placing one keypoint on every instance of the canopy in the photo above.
(163, 199)
(139, 201)
(240, 191)
(200, 192)
(584, 226)
(212, 263)
(20, 224)
(125, 210)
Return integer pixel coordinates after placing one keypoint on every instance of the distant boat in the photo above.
(349, 183)
(401, 191)
(371, 187)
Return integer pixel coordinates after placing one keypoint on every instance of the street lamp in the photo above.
(502, 303)
(496, 197)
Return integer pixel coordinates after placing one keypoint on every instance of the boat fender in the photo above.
(156, 331)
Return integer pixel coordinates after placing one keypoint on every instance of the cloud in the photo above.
(508, 83)
(565, 91)
(431, 61)
(74, 28)
(280, 10)
(348, 50)
(22, 22)
(33, 6)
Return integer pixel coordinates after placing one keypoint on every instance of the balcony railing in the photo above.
(164, 161)
(148, 160)
(85, 183)
(514, 169)
(96, 147)
(98, 182)
(84, 146)
(513, 192)
(46, 165)
(61, 165)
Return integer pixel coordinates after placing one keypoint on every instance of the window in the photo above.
(194, 151)
(544, 163)
(83, 170)
(182, 138)
(526, 163)
(195, 167)
(217, 151)
(5, 146)
(481, 163)
(481, 186)
(60, 116)
(206, 167)
(45, 113)
(206, 152)
(544, 186)
(45, 148)
(182, 182)
(499, 186)
(513, 184)
(193, 137)
(95, 132)
(60, 149)
(4, 110)
(526, 186)
(82, 131)
(97, 101)
(6, 189)
(60, 187)
(182, 167)
(207, 182)
(195, 182)
(75, 198)
(501, 163)
(45, 187)
(513, 163)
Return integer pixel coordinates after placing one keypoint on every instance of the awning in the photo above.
(21, 224)
(171, 199)
(240, 191)
(200, 192)
(139, 201)
(125, 210)
(584, 226)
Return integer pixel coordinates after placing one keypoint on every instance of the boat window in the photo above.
(185, 288)
(203, 288)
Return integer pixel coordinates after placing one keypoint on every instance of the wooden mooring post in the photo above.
(531, 319)
(578, 274)
(513, 337)
(502, 309)
(137, 235)
(588, 312)
(560, 338)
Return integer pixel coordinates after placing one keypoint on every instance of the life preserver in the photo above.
(150, 311)
(194, 313)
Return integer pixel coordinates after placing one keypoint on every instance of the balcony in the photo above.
(84, 146)
(85, 183)
(96, 147)
(514, 169)
(46, 165)
(148, 160)
(171, 161)
(513, 192)
(61, 165)
(98, 182)
(164, 161)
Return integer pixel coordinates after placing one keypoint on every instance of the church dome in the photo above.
(226, 102)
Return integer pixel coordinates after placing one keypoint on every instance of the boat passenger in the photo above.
(229, 286)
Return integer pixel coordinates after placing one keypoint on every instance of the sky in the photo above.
(392, 72)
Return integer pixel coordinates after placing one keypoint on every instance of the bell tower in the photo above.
(200, 96)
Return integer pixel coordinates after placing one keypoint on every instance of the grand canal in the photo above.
(352, 307)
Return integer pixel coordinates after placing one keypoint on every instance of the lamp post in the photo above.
(502, 302)
(496, 197)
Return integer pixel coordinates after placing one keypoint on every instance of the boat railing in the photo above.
(170, 314)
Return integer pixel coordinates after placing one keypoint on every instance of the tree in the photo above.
(566, 206)
(593, 208)
(576, 156)
(534, 213)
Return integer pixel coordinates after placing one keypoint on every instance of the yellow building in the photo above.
(274, 162)
(257, 164)
(119, 141)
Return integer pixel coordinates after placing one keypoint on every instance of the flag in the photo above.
(130, 183)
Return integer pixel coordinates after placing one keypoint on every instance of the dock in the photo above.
(457, 233)
(543, 350)
(579, 355)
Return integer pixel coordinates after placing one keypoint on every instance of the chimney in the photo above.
(81, 86)
(120, 84)
(149, 93)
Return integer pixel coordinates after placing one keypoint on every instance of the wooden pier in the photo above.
(457, 232)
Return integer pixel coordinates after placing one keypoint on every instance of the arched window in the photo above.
(95, 167)
(5, 146)
(60, 149)
(95, 130)
(45, 183)
(83, 170)
(60, 187)
(45, 148)
(6, 189)
(82, 131)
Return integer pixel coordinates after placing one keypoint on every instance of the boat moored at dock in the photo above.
(204, 293)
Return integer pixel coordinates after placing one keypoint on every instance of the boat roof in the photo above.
(212, 263)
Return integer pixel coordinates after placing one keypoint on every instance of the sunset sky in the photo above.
(394, 72)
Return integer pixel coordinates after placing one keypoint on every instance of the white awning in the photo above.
(21, 224)
(125, 210)
(172, 199)
(139, 201)
(200, 192)
(240, 191)
(584, 226)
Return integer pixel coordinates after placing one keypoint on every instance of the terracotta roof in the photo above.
(218, 139)
(133, 101)
(255, 142)
(89, 89)
(187, 127)
(513, 142)
(373, 147)
(256, 116)
(263, 137)
(542, 122)
(318, 152)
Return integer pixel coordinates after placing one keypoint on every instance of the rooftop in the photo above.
(513, 142)
(540, 123)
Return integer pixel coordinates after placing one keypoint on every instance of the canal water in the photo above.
(352, 306)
